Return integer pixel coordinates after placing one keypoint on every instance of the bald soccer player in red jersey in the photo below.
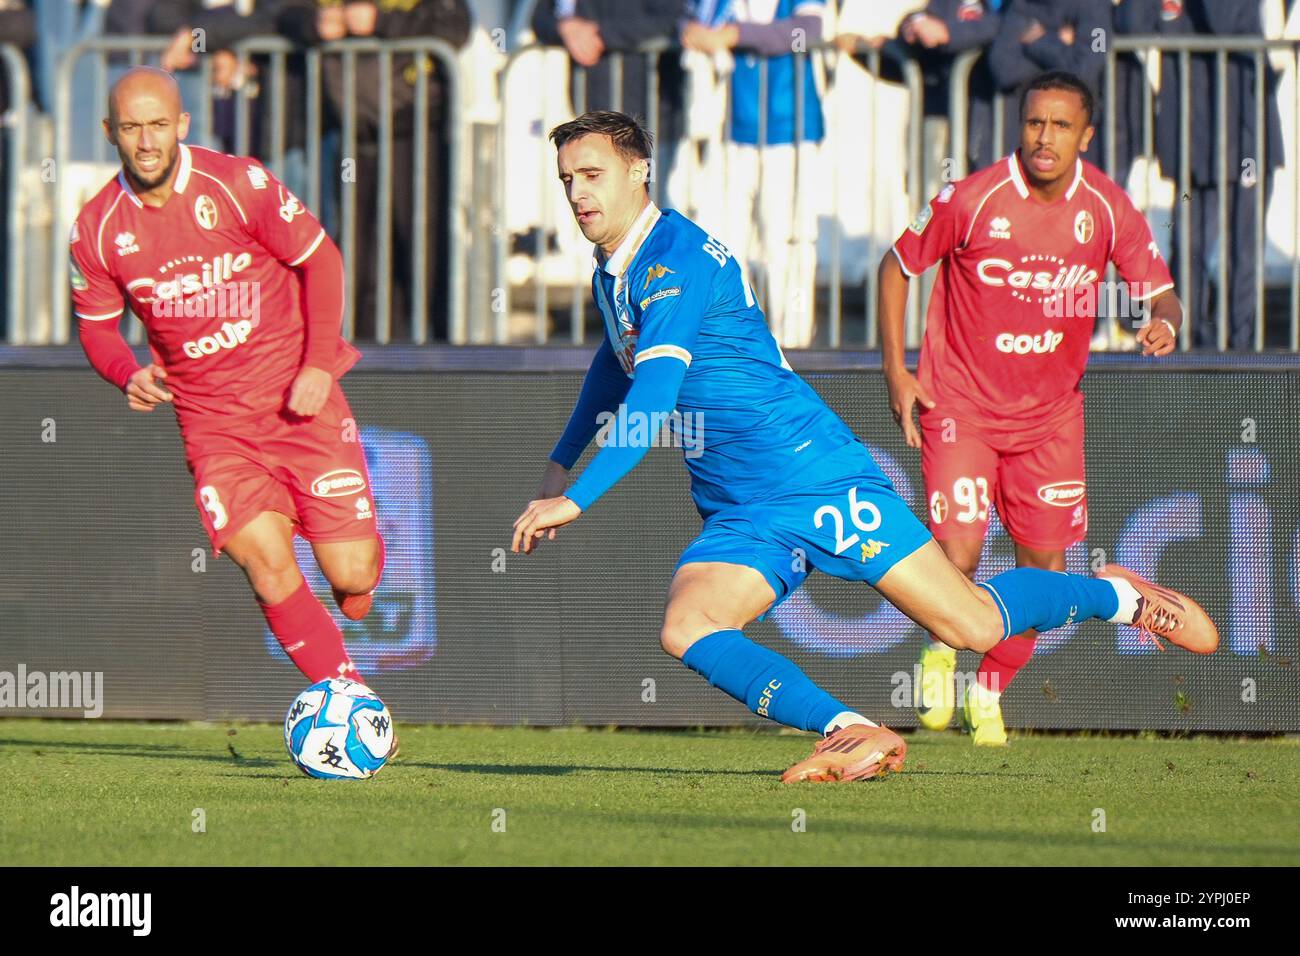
(241, 293)
(1023, 245)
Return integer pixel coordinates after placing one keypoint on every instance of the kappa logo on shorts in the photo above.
(1062, 494)
(938, 507)
(337, 483)
(873, 548)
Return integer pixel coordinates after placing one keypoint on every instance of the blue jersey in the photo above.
(745, 79)
(747, 421)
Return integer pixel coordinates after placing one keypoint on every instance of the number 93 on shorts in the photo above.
(841, 516)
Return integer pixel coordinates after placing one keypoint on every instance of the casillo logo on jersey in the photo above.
(219, 269)
(337, 483)
(126, 244)
(1000, 228)
(232, 335)
(1062, 494)
(1083, 226)
(1000, 272)
(205, 212)
(1024, 344)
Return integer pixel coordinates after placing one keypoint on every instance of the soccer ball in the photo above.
(339, 729)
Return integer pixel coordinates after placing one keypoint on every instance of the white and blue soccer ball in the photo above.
(339, 729)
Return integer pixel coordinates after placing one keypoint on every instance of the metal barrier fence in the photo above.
(579, 307)
(136, 49)
(15, 141)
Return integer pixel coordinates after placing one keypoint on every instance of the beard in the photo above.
(146, 182)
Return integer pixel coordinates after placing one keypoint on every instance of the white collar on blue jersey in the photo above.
(622, 257)
(184, 165)
(1018, 179)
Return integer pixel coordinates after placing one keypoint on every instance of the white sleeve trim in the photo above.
(1152, 294)
(310, 249)
(100, 318)
(901, 264)
(664, 351)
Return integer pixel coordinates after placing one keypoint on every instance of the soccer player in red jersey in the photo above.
(1022, 246)
(241, 293)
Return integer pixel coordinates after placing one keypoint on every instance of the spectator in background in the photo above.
(17, 27)
(1039, 35)
(1241, 153)
(785, 252)
(590, 30)
(198, 28)
(935, 36)
(448, 20)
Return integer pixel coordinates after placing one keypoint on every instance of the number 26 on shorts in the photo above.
(857, 509)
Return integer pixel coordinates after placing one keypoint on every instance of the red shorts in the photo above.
(1037, 486)
(313, 470)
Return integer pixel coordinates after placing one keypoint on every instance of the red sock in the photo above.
(309, 636)
(1001, 664)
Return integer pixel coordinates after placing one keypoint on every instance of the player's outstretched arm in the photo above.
(651, 398)
(904, 388)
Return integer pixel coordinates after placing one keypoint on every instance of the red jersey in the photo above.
(1013, 308)
(210, 274)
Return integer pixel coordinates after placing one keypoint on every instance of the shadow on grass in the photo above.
(152, 751)
(560, 770)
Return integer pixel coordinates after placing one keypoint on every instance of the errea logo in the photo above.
(126, 244)
(257, 177)
(1000, 228)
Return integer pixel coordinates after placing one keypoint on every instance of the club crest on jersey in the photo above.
(126, 244)
(938, 507)
(1083, 227)
(337, 483)
(1062, 494)
(655, 272)
(205, 212)
(1000, 228)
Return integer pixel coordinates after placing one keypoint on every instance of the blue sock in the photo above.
(767, 683)
(1030, 597)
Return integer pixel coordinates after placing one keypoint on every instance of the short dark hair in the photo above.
(1061, 80)
(631, 140)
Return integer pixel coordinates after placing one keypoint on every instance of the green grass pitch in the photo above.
(100, 793)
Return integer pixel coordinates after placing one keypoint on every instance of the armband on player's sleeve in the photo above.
(604, 387)
(651, 399)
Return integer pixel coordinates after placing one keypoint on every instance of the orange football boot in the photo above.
(357, 606)
(855, 752)
(1168, 614)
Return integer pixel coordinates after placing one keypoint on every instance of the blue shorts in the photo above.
(841, 516)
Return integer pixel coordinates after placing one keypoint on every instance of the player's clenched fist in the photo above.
(540, 515)
(1158, 337)
(142, 392)
(309, 391)
(904, 392)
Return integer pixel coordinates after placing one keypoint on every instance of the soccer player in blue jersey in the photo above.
(779, 477)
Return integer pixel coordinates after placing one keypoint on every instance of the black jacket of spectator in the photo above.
(624, 26)
(1013, 63)
(1218, 18)
(971, 26)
